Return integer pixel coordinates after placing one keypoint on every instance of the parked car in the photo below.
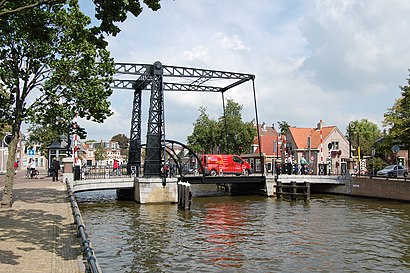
(392, 171)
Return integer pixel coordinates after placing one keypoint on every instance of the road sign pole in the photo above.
(2, 157)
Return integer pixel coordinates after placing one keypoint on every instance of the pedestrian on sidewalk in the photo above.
(303, 163)
(33, 170)
(116, 167)
(28, 168)
(55, 166)
(16, 166)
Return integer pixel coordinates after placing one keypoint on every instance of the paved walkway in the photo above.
(38, 233)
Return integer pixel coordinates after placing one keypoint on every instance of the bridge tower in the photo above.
(155, 133)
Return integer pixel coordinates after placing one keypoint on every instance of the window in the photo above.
(335, 145)
(258, 165)
(237, 159)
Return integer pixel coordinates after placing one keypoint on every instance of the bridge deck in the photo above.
(128, 182)
(223, 179)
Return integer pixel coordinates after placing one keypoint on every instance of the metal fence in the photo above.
(91, 265)
(100, 172)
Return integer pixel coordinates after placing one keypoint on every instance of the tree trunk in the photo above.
(7, 200)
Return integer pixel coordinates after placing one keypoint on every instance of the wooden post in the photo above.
(294, 190)
(279, 189)
(184, 195)
(307, 190)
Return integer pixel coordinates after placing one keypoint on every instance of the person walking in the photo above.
(116, 167)
(55, 166)
(303, 163)
(16, 166)
(33, 170)
(28, 168)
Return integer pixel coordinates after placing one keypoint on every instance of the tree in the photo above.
(53, 68)
(230, 133)
(283, 127)
(42, 136)
(123, 141)
(364, 133)
(205, 134)
(377, 164)
(236, 136)
(108, 12)
(397, 119)
(99, 153)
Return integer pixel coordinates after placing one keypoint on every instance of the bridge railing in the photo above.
(103, 172)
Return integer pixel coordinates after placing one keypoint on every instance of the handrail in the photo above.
(91, 265)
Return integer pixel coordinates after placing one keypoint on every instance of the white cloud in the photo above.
(229, 42)
(196, 53)
(313, 59)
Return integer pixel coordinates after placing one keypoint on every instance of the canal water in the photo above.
(248, 234)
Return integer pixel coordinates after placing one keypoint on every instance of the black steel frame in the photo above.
(151, 77)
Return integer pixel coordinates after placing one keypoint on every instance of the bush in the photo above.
(378, 165)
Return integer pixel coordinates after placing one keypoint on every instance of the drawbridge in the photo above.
(158, 78)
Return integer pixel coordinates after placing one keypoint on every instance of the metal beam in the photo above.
(129, 84)
(133, 69)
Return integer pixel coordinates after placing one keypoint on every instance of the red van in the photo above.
(225, 164)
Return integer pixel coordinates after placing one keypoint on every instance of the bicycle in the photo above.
(32, 173)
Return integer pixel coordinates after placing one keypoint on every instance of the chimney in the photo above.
(263, 126)
(320, 125)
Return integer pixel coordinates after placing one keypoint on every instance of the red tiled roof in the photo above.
(267, 137)
(300, 136)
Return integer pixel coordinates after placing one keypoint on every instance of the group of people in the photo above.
(295, 168)
(31, 169)
(32, 172)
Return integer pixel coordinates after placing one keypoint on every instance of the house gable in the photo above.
(300, 136)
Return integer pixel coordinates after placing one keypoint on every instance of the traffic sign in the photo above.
(395, 149)
(7, 139)
(30, 152)
(312, 158)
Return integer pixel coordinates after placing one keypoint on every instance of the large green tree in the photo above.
(236, 135)
(205, 134)
(107, 12)
(229, 132)
(53, 68)
(397, 119)
(364, 133)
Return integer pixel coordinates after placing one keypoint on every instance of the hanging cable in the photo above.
(257, 128)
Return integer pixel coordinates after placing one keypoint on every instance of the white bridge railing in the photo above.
(314, 179)
(103, 184)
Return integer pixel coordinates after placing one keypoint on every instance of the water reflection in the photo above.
(249, 234)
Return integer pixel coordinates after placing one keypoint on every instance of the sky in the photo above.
(313, 60)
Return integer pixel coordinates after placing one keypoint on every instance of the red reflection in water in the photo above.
(223, 231)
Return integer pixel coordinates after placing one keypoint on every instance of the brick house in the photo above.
(267, 152)
(111, 148)
(325, 148)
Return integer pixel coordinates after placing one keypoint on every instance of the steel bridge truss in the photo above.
(158, 78)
